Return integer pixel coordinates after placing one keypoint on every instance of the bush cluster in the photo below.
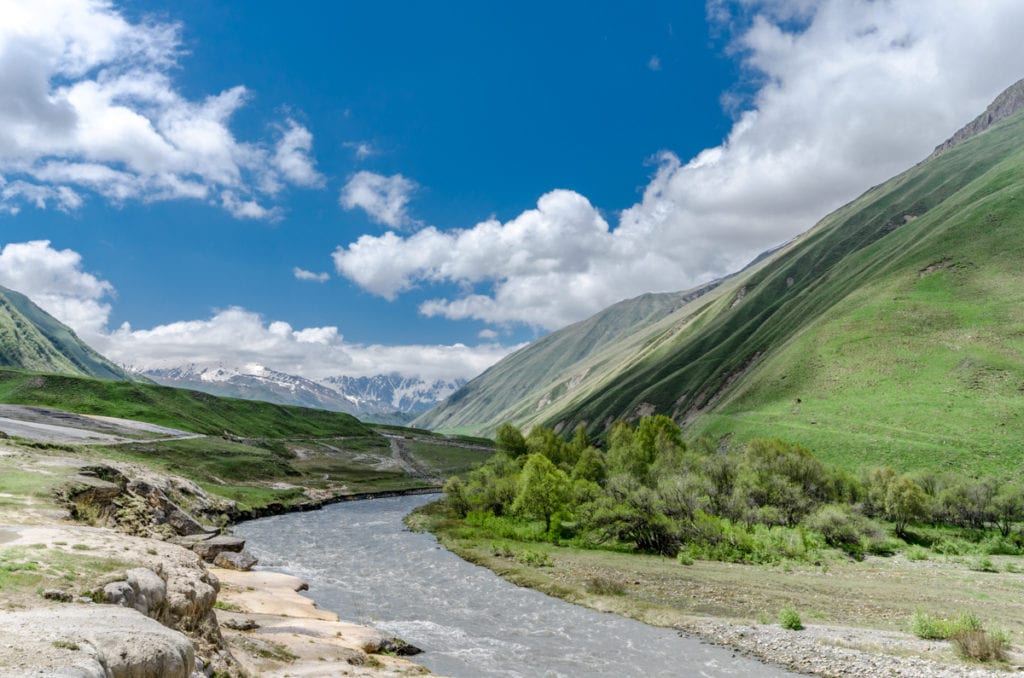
(762, 501)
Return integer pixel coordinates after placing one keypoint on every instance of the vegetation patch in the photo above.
(789, 619)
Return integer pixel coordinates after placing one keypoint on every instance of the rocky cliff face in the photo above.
(1005, 105)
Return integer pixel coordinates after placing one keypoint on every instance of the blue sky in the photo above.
(466, 176)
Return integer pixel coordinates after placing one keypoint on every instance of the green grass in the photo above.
(176, 408)
(449, 459)
(25, 571)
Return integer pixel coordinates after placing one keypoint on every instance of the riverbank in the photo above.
(56, 573)
(273, 630)
(857, 614)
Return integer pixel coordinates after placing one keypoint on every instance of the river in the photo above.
(363, 564)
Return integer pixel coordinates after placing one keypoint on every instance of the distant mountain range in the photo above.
(381, 398)
(891, 328)
(32, 339)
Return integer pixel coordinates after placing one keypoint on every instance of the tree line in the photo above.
(760, 500)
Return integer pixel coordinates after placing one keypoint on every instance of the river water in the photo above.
(363, 564)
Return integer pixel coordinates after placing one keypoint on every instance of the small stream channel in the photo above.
(362, 563)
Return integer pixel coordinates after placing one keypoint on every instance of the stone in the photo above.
(399, 647)
(58, 595)
(241, 625)
(209, 548)
(243, 560)
(92, 640)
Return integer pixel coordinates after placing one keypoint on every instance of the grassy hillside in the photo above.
(254, 453)
(177, 408)
(891, 331)
(32, 339)
(552, 367)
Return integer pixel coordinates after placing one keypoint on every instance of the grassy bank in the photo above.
(877, 593)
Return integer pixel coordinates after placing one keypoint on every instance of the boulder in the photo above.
(92, 640)
(399, 647)
(243, 560)
(209, 548)
(142, 590)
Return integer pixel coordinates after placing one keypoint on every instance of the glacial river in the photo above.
(363, 564)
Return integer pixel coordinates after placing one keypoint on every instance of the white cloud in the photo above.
(852, 93)
(303, 274)
(55, 280)
(292, 156)
(236, 337)
(383, 198)
(488, 334)
(361, 149)
(654, 63)
(89, 106)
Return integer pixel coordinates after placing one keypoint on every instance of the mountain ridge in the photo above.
(32, 339)
(385, 398)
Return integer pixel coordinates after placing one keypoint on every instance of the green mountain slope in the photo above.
(891, 332)
(892, 329)
(32, 339)
(552, 366)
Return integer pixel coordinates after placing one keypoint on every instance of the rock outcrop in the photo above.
(92, 640)
(1004, 105)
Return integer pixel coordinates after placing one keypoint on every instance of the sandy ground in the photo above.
(274, 631)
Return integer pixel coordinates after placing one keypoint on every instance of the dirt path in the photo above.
(407, 462)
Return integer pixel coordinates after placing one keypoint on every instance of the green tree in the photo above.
(455, 495)
(545, 441)
(580, 442)
(509, 440)
(591, 466)
(622, 455)
(905, 502)
(1007, 507)
(543, 489)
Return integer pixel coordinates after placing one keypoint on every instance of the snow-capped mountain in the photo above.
(394, 392)
(367, 397)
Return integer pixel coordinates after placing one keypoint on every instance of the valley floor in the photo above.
(857, 614)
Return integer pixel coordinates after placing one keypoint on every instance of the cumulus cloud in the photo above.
(383, 198)
(236, 336)
(56, 281)
(303, 274)
(850, 94)
(89, 107)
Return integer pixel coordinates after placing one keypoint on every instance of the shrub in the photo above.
(533, 558)
(980, 645)
(983, 564)
(790, 619)
(844, 529)
(928, 627)
(605, 586)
